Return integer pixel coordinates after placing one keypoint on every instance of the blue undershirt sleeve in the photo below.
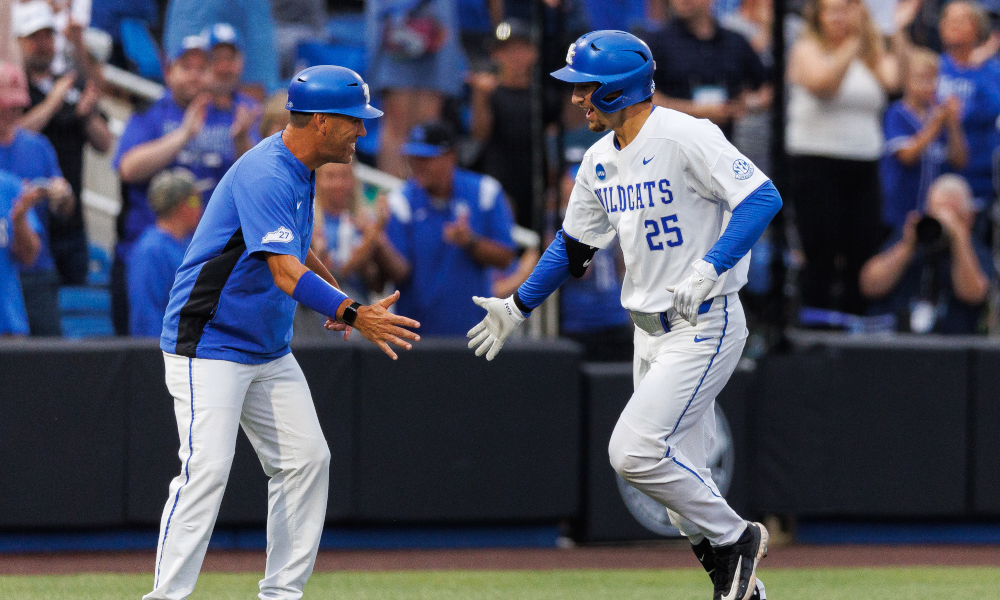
(551, 272)
(748, 222)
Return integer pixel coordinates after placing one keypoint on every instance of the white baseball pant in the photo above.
(665, 434)
(212, 399)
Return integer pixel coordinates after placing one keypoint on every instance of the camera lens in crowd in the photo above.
(929, 231)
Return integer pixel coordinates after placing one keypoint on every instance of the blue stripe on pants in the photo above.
(725, 326)
(187, 475)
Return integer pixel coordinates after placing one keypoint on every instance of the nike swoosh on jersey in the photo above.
(645, 161)
(698, 339)
(298, 206)
(736, 581)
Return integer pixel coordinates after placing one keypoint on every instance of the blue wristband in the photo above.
(312, 292)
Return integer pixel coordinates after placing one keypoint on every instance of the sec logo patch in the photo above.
(601, 173)
(743, 169)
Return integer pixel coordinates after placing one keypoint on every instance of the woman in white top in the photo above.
(839, 73)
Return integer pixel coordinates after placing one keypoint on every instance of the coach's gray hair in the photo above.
(956, 185)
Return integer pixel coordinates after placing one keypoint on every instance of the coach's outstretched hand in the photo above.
(381, 327)
(502, 318)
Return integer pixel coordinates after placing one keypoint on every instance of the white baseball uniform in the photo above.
(668, 196)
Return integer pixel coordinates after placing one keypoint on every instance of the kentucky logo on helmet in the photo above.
(368, 96)
(601, 173)
(743, 169)
(571, 53)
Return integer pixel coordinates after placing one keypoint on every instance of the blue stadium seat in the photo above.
(86, 311)
(140, 48)
(86, 327)
(99, 269)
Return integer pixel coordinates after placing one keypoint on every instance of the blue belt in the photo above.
(647, 321)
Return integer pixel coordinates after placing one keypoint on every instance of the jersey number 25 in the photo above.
(668, 231)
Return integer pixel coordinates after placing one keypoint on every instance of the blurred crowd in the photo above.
(890, 148)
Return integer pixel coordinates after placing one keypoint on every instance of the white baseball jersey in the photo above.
(668, 195)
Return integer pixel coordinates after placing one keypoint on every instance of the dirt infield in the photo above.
(659, 556)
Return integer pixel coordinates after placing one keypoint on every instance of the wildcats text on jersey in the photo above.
(617, 198)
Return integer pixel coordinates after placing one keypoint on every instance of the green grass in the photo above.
(682, 584)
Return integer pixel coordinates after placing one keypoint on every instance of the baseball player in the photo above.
(226, 332)
(687, 207)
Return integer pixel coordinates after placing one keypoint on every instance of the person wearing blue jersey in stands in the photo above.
(922, 137)
(159, 252)
(225, 47)
(590, 307)
(448, 227)
(19, 245)
(964, 26)
(226, 333)
(30, 156)
(184, 128)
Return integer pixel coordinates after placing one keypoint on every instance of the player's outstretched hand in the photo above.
(381, 327)
(502, 318)
(691, 292)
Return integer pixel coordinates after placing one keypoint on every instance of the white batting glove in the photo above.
(502, 318)
(691, 292)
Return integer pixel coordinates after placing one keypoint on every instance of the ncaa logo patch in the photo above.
(743, 169)
(281, 235)
(601, 173)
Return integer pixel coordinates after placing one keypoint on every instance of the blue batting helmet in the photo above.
(331, 89)
(617, 60)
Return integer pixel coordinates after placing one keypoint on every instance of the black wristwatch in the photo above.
(350, 313)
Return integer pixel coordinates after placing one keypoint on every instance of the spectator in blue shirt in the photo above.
(921, 136)
(184, 128)
(591, 310)
(227, 62)
(963, 27)
(19, 245)
(155, 258)
(30, 156)
(448, 226)
(933, 273)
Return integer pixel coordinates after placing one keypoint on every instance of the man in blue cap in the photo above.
(226, 333)
(448, 227)
(181, 129)
(686, 207)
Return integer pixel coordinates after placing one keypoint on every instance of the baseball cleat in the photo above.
(706, 556)
(736, 564)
